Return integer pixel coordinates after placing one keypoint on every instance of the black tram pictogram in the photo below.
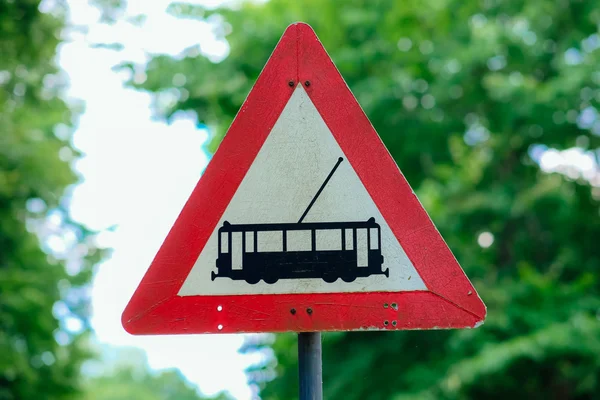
(356, 249)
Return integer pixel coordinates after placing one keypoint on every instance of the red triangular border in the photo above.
(451, 301)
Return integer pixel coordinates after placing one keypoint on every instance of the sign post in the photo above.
(310, 366)
(302, 222)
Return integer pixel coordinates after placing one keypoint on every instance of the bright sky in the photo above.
(137, 175)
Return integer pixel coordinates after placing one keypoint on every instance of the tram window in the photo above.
(236, 251)
(298, 241)
(329, 239)
(362, 256)
(224, 243)
(249, 242)
(349, 241)
(374, 240)
(270, 241)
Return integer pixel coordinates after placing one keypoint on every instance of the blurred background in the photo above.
(111, 109)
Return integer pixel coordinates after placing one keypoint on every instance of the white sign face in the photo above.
(343, 244)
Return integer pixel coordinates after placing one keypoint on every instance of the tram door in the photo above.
(362, 249)
(236, 250)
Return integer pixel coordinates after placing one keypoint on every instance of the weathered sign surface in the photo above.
(302, 221)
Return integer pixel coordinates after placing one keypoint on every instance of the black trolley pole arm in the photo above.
(337, 164)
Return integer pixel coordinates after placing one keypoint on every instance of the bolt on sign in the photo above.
(302, 221)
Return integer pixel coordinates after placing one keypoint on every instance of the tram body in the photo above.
(358, 255)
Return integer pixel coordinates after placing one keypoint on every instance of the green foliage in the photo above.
(128, 378)
(125, 384)
(466, 95)
(35, 287)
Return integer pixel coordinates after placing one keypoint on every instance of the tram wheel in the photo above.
(348, 278)
(253, 280)
(330, 278)
(271, 279)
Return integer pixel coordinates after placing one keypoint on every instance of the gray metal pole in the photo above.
(310, 366)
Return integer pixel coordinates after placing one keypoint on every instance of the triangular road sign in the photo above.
(302, 221)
